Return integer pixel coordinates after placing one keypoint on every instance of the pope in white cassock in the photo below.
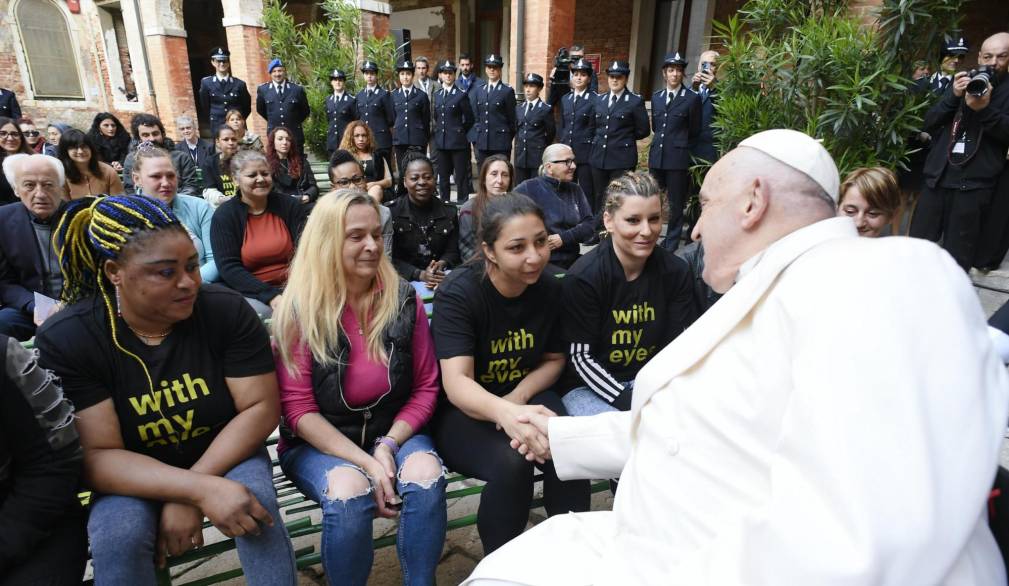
(835, 419)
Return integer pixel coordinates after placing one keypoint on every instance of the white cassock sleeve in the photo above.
(887, 447)
(590, 447)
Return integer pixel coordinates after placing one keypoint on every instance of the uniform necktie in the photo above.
(528, 105)
(613, 99)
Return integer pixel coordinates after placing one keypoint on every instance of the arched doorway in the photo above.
(204, 31)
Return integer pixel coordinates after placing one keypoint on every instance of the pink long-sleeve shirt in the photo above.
(364, 380)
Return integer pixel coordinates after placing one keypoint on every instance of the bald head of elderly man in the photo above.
(803, 430)
(28, 262)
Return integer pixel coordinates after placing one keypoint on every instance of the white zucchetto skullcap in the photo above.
(800, 152)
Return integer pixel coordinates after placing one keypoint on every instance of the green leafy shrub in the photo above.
(311, 52)
(816, 67)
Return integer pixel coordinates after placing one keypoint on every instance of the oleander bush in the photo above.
(819, 67)
(311, 52)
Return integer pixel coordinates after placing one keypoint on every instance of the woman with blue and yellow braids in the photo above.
(175, 393)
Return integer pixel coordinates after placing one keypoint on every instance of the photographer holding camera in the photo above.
(560, 75)
(971, 129)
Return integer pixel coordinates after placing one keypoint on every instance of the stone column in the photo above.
(243, 23)
(165, 37)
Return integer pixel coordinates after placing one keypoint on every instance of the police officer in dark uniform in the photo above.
(621, 120)
(222, 92)
(283, 103)
(578, 124)
(9, 107)
(453, 117)
(412, 125)
(341, 110)
(676, 121)
(374, 108)
(494, 107)
(535, 129)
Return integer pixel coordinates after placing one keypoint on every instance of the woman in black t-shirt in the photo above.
(623, 301)
(495, 332)
(175, 393)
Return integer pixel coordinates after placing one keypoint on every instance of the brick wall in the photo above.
(170, 74)
(90, 55)
(375, 25)
(248, 62)
(439, 41)
(604, 26)
(124, 53)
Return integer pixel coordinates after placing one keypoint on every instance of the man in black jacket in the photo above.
(28, 262)
(42, 536)
(535, 129)
(191, 144)
(9, 107)
(283, 103)
(969, 154)
(222, 92)
(148, 128)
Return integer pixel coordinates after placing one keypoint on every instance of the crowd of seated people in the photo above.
(166, 257)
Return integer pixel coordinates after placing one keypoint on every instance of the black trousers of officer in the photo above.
(583, 177)
(401, 151)
(454, 162)
(993, 243)
(954, 216)
(481, 155)
(523, 173)
(600, 179)
(676, 184)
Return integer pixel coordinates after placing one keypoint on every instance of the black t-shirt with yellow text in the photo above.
(506, 337)
(624, 322)
(191, 401)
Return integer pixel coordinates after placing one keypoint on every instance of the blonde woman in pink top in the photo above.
(359, 382)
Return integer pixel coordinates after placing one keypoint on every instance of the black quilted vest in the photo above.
(365, 423)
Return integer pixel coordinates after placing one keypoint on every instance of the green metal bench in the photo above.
(292, 503)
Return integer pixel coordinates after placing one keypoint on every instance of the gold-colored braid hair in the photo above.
(94, 230)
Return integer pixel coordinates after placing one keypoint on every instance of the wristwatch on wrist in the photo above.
(389, 443)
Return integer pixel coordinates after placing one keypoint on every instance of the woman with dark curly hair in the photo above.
(110, 138)
(292, 175)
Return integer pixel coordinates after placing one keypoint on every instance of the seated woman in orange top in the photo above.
(254, 234)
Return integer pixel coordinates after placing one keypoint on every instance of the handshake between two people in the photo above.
(526, 425)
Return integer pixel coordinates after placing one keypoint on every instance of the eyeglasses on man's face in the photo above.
(565, 162)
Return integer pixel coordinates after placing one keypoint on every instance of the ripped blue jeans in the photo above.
(347, 552)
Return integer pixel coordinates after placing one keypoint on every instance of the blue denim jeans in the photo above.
(347, 551)
(585, 401)
(123, 531)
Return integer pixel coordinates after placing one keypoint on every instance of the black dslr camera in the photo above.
(563, 59)
(980, 79)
